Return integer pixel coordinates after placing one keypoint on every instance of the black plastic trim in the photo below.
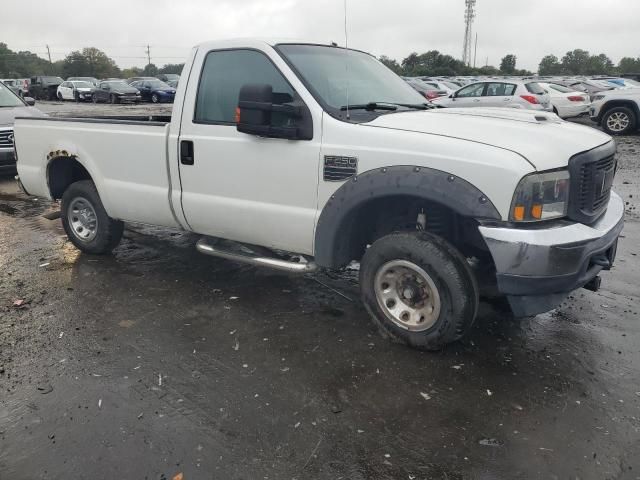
(332, 231)
(107, 120)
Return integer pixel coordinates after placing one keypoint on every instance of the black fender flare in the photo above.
(430, 184)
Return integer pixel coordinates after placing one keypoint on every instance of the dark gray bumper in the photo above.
(7, 162)
(538, 268)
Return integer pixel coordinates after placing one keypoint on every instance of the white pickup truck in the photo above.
(314, 156)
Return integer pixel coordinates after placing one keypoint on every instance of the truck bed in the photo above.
(126, 157)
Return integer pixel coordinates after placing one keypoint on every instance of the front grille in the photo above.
(6, 138)
(591, 180)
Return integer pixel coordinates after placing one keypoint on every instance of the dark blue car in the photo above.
(155, 91)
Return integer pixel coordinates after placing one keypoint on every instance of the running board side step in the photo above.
(204, 246)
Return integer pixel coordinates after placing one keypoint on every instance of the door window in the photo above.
(224, 73)
(471, 91)
(500, 90)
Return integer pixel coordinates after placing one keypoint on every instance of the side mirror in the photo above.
(453, 95)
(256, 108)
(30, 101)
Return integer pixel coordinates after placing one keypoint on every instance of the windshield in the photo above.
(117, 83)
(157, 84)
(338, 77)
(451, 85)
(82, 84)
(8, 98)
(52, 80)
(172, 76)
(560, 88)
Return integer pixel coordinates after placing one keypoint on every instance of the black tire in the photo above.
(622, 114)
(449, 272)
(113, 99)
(60, 97)
(94, 98)
(108, 231)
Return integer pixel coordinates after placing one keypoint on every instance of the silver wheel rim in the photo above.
(154, 99)
(407, 295)
(82, 219)
(618, 121)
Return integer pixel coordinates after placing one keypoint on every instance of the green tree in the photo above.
(391, 64)
(150, 70)
(508, 64)
(90, 62)
(576, 62)
(550, 65)
(22, 64)
(599, 65)
(131, 72)
(172, 68)
(629, 65)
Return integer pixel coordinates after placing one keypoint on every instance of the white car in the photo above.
(77, 90)
(271, 149)
(525, 95)
(567, 102)
(617, 111)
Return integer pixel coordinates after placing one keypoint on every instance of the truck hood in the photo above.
(8, 114)
(542, 138)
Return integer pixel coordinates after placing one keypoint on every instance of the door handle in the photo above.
(186, 152)
(476, 100)
(506, 100)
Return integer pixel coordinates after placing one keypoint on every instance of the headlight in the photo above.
(541, 196)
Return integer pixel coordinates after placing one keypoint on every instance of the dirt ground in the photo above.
(158, 360)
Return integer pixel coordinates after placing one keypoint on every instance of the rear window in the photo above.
(560, 88)
(534, 88)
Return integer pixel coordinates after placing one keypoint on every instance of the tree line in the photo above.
(88, 62)
(91, 62)
(575, 62)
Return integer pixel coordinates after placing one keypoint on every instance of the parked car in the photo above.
(79, 91)
(137, 79)
(427, 91)
(155, 91)
(267, 147)
(12, 106)
(92, 80)
(527, 95)
(169, 77)
(24, 86)
(566, 102)
(13, 85)
(173, 83)
(44, 87)
(116, 91)
(442, 85)
(589, 86)
(617, 111)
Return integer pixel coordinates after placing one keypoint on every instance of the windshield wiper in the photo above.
(370, 106)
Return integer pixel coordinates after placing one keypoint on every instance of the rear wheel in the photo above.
(619, 121)
(86, 222)
(418, 289)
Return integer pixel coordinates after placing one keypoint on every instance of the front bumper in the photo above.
(537, 268)
(7, 162)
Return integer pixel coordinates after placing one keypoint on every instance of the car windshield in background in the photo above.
(157, 84)
(52, 79)
(8, 98)
(355, 78)
(535, 88)
(117, 83)
(82, 84)
(560, 88)
(451, 85)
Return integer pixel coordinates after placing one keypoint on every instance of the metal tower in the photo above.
(469, 15)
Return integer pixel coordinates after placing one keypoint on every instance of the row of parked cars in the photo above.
(612, 102)
(83, 89)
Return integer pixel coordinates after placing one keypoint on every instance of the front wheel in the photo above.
(418, 289)
(86, 222)
(619, 121)
(155, 98)
(60, 97)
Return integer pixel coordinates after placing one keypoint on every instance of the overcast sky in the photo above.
(528, 28)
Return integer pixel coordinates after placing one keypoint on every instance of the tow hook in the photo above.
(594, 284)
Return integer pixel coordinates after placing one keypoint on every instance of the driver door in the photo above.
(469, 96)
(240, 186)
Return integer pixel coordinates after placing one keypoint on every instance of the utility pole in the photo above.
(469, 15)
(148, 55)
(49, 53)
(475, 54)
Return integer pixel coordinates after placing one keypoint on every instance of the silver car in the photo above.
(527, 95)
